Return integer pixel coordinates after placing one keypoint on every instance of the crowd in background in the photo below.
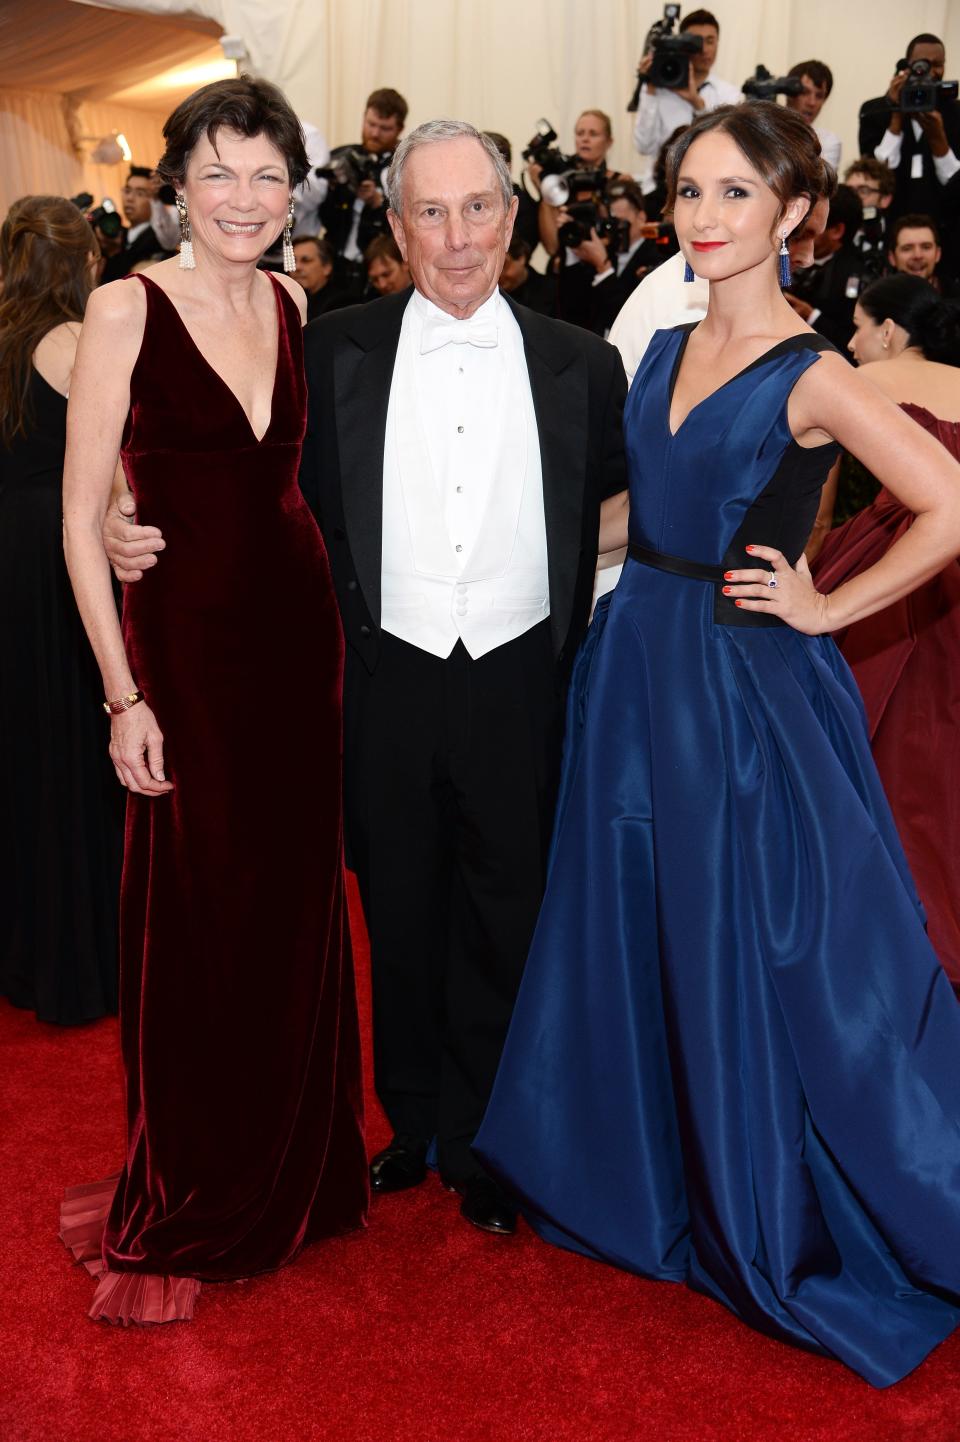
(895, 210)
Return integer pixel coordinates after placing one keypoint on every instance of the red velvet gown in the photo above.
(238, 1011)
(906, 660)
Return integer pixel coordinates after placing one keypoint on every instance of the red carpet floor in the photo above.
(420, 1330)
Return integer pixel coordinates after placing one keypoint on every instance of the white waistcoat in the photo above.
(431, 596)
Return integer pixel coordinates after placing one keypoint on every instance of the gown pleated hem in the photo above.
(122, 1298)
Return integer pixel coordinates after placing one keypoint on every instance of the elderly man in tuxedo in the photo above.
(457, 451)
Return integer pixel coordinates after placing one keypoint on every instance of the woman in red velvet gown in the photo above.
(906, 659)
(238, 1013)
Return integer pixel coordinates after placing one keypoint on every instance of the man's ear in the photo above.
(396, 225)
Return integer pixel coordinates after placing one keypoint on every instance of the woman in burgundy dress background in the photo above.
(906, 658)
(238, 1013)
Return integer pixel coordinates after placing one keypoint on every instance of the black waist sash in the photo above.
(725, 610)
(676, 565)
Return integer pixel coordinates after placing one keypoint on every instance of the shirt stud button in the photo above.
(459, 548)
(459, 430)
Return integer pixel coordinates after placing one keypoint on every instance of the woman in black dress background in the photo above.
(60, 815)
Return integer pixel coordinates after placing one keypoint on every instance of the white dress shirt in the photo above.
(660, 113)
(830, 146)
(891, 146)
(464, 536)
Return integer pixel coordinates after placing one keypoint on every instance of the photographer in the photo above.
(921, 148)
(354, 213)
(661, 111)
(314, 257)
(817, 81)
(825, 295)
(593, 137)
(874, 183)
(619, 261)
(151, 224)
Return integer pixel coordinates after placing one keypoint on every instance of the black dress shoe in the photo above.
(401, 1165)
(487, 1206)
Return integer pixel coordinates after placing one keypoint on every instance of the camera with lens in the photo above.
(103, 217)
(921, 92)
(764, 86)
(871, 242)
(671, 56)
(351, 166)
(584, 217)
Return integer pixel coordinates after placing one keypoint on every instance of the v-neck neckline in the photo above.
(678, 362)
(258, 440)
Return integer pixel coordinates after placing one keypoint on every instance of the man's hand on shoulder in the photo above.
(131, 549)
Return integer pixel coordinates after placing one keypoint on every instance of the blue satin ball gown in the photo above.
(735, 1060)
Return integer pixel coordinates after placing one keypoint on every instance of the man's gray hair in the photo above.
(428, 134)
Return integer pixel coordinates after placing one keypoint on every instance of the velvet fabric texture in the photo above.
(733, 1058)
(238, 1009)
(906, 662)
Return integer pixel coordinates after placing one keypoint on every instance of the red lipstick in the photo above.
(707, 244)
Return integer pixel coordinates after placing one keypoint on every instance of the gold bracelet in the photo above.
(122, 703)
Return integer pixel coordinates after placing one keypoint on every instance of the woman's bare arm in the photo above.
(614, 518)
(99, 401)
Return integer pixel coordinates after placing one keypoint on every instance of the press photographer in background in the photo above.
(816, 80)
(151, 217)
(563, 179)
(675, 81)
(354, 213)
(387, 271)
(874, 182)
(314, 257)
(825, 294)
(915, 129)
(617, 253)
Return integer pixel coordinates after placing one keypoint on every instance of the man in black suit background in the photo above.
(922, 149)
(457, 452)
(825, 294)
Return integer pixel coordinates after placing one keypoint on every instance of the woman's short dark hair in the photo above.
(932, 324)
(821, 75)
(782, 148)
(249, 107)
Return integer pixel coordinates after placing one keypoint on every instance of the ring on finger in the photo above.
(772, 581)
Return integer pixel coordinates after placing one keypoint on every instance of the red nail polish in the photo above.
(728, 575)
(738, 603)
(726, 590)
(751, 549)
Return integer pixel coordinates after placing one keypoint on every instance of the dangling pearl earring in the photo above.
(187, 259)
(289, 259)
(785, 273)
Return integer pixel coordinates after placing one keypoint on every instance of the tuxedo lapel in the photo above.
(363, 372)
(558, 381)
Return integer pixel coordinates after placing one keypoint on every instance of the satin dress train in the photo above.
(733, 1061)
(237, 1006)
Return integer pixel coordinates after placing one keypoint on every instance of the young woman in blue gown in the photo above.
(735, 1059)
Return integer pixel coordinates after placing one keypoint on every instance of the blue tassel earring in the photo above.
(688, 273)
(785, 273)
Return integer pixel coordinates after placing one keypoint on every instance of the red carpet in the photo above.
(421, 1328)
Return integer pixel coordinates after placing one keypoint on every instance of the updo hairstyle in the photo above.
(247, 106)
(932, 323)
(782, 148)
(46, 247)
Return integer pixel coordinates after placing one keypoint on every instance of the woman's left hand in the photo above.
(787, 592)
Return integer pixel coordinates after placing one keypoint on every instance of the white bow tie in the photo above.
(440, 331)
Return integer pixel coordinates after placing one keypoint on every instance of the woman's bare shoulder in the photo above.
(295, 291)
(55, 355)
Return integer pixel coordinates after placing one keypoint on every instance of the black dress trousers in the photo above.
(451, 773)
